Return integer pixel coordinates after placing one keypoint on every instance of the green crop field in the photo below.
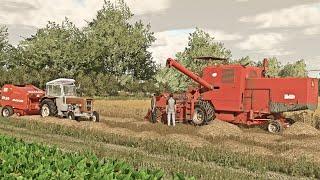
(29, 161)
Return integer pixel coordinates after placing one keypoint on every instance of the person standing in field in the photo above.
(171, 110)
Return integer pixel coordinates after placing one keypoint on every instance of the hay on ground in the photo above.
(300, 128)
(219, 128)
(191, 141)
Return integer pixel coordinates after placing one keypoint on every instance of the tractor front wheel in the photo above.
(95, 116)
(7, 111)
(71, 115)
(48, 108)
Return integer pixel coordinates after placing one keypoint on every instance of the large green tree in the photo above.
(117, 46)
(3, 44)
(55, 49)
(200, 44)
(100, 56)
(297, 69)
(274, 67)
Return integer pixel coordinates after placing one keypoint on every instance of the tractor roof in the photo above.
(62, 81)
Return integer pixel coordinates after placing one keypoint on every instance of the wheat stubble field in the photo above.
(217, 151)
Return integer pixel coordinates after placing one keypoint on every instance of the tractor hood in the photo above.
(85, 104)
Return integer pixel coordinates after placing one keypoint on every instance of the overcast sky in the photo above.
(287, 29)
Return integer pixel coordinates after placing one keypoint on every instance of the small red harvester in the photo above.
(20, 100)
(240, 95)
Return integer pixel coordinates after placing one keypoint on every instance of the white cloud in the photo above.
(312, 31)
(38, 12)
(168, 43)
(261, 41)
(301, 15)
(223, 36)
(148, 6)
(265, 43)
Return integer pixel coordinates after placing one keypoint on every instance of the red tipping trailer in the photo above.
(22, 100)
(240, 95)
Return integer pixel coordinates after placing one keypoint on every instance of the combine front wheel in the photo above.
(203, 113)
(199, 116)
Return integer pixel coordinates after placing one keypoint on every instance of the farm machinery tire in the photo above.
(7, 111)
(203, 113)
(71, 116)
(274, 126)
(95, 116)
(48, 108)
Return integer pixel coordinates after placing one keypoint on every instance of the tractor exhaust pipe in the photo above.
(173, 63)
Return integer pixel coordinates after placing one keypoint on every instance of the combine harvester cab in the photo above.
(240, 95)
(20, 100)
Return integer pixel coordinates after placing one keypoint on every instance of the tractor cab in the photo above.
(61, 100)
(61, 87)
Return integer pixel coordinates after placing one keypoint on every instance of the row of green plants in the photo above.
(22, 160)
(207, 154)
(133, 156)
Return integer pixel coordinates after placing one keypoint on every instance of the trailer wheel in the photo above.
(95, 116)
(7, 111)
(71, 115)
(48, 108)
(274, 126)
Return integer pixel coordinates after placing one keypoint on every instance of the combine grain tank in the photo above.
(22, 100)
(240, 95)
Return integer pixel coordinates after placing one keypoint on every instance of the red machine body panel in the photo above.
(242, 94)
(23, 99)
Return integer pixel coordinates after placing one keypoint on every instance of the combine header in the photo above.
(240, 95)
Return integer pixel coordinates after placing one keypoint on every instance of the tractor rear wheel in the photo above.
(7, 111)
(274, 126)
(203, 113)
(48, 108)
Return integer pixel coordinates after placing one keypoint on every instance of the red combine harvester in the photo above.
(21, 100)
(239, 95)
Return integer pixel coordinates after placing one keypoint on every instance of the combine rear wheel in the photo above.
(7, 111)
(275, 126)
(203, 113)
(48, 108)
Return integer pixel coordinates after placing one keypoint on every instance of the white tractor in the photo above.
(61, 100)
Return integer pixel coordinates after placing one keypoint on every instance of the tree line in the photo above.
(110, 56)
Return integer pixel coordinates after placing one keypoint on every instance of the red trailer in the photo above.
(240, 95)
(22, 100)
